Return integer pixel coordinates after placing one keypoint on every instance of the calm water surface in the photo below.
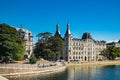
(78, 73)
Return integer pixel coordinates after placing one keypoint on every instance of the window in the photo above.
(73, 53)
(76, 57)
(76, 53)
(76, 48)
(88, 53)
(79, 57)
(74, 44)
(69, 57)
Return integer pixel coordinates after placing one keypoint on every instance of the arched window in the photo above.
(79, 57)
(76, 57)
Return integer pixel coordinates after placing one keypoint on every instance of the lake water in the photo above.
(78, 73)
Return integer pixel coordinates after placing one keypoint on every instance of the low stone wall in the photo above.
(50, 70)
(19, 69)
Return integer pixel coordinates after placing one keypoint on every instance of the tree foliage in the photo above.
(49, 48)
(11, 45)
(44, 36)
(111, 52)
(57, 46)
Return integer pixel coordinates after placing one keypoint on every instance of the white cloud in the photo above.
(112, 41)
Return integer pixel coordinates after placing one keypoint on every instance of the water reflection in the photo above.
(82, 73)
(78, 73)
(94, 73)
(51, 76)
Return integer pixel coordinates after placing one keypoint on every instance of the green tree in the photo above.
(111, 52)
(44, 36)
(57, 46)
(42, 46)
(42, 49)
(48, 47)
(11, 45)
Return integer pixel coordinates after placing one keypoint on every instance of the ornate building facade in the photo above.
(27, 38)
(85, 49)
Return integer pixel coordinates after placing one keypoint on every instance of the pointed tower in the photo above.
(68, 30)
(67, 43)
(57, 34)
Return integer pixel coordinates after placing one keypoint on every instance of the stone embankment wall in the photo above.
(19, 69)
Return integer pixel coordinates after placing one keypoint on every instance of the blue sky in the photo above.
(99, 17)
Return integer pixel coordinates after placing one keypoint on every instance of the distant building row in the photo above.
(116, 44)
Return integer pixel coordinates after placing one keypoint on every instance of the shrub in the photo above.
(33, 60)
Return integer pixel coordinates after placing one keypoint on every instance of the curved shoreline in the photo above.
(48, 70)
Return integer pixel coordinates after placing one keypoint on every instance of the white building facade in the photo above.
(85, 49)
(27, 38)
